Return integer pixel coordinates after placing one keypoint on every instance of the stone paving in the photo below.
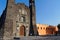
(37, 38)
(41, 38)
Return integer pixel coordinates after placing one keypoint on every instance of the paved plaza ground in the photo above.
(37, 38)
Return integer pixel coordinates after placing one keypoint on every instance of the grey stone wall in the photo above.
(9, 18)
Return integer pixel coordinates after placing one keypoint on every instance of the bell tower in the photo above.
(33, 28)
(10, 1)
(8, 21)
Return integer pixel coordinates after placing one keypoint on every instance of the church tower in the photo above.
(18, 20)
(8, 21)
(33, 28)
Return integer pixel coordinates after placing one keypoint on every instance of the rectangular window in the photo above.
(22, 19)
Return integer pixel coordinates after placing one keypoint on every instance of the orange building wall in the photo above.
(50, 30)
(44, 29)
(41, 29)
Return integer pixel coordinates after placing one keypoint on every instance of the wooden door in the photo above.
(22, 30)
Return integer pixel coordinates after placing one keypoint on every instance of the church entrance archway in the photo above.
(22, 30)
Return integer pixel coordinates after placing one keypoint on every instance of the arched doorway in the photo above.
(22, 30)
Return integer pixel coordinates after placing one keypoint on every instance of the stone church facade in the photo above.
(18, 20)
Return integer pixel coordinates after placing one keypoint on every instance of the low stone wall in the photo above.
(36, 38)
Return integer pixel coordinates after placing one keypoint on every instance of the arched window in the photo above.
(22, 19)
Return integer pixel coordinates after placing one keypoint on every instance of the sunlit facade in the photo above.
(44, 29)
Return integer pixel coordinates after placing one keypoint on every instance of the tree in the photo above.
(58, 26)
(0, 17)
(58, 33)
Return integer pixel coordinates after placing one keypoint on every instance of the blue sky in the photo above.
(47, 11)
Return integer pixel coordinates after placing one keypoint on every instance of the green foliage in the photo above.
(58, 26)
